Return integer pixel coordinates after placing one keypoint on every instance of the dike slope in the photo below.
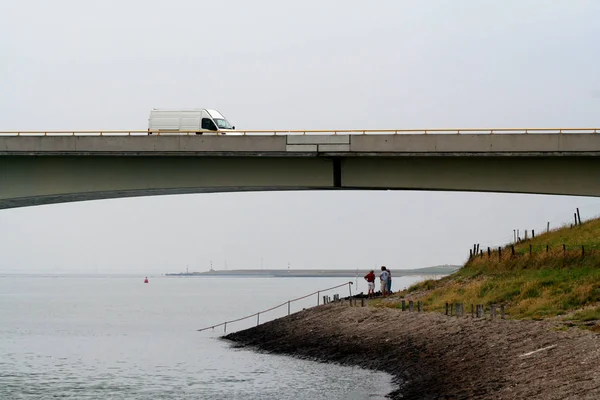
(433, 356)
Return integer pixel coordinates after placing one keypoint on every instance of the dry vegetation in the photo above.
(541, 280)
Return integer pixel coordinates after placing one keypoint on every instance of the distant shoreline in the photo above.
(315, 273)
(437, 271)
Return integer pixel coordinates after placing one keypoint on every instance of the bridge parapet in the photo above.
(299, 145)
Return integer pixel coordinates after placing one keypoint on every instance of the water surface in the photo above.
(117, 338)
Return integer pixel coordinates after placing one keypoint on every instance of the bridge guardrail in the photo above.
(270, 132)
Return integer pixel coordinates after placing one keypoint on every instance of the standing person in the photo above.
(389, 287)
(370, 278)
(384, 280)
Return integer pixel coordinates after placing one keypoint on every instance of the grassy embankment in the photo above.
(541, 280)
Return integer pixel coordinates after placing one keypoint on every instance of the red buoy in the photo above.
(146, 280)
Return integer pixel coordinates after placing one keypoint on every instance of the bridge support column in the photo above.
(337, 172)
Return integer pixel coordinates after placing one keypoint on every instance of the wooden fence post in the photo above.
(512, 249)
(446, 308)
(362, 302)
(499, 253)
(318, 297)
(411, 306)
(288, 308)
(502, 311)
(480, 311)
(489, 252)
(582, 251)
(419, 306)
(472, 311)
(403, 305)
(493, 311)
(564, 250)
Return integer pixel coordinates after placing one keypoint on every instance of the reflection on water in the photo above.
(117, 338)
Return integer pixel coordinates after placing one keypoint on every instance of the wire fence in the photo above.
(287, 303)
(521, 237)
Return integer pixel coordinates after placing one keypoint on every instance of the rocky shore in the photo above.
(433, 356)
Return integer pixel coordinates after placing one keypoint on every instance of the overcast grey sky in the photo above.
(72, 64)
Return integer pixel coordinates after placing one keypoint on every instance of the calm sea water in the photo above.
(101, 337)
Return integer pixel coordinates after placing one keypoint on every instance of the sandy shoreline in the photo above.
(433, 356)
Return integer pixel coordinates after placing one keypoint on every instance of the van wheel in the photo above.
(198, 133)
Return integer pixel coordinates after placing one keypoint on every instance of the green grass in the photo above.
(590, 314)
(541, 280)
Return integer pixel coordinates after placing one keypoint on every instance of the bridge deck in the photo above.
(52, 169)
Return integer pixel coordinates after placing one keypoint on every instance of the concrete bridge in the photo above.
(52, 168)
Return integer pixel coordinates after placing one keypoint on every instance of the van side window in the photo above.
(207, 124)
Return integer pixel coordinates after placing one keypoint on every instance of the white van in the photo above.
(188, 120)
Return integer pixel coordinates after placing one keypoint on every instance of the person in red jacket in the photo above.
(370, 278)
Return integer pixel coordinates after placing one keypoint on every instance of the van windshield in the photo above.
(223, 123)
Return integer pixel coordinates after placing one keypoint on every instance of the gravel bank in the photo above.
(433, 356)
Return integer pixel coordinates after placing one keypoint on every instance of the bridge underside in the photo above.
(35, 180)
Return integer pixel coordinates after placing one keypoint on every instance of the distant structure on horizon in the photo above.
(309, 273)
